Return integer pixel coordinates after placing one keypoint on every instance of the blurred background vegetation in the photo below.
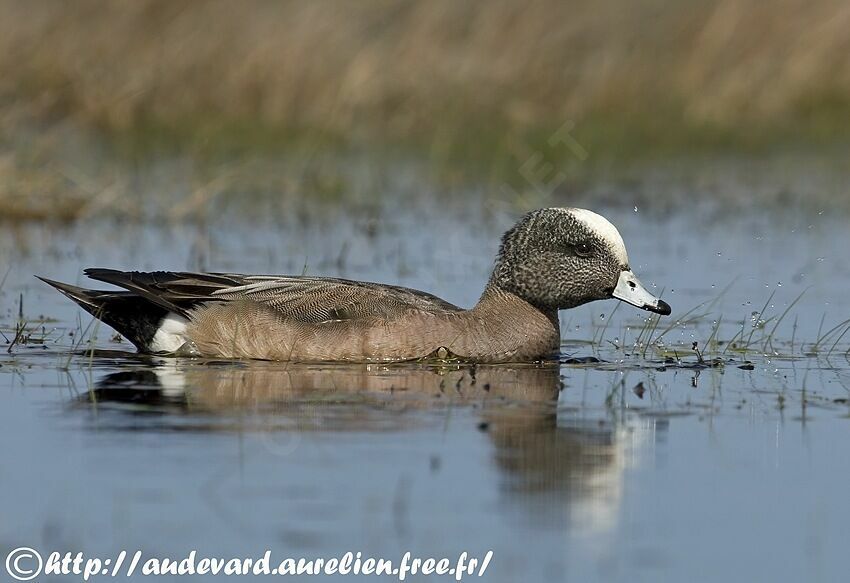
(121, 107)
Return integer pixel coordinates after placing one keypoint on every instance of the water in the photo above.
(648, 465)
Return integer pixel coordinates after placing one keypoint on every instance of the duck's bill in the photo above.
(630, 290)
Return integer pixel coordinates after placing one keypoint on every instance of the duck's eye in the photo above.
(583, 249)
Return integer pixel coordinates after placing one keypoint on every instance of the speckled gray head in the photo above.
(564, 257)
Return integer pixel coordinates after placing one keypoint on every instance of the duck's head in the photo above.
(564, 257)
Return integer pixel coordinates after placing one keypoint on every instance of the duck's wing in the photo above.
(175, 291)
(302, 298)
(320, 299)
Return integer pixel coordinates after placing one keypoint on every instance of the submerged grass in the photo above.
(708, 346)
(768, 343)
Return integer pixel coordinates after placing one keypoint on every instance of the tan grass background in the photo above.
(399, 64)
(415, 69)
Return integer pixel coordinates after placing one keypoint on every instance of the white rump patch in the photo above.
(171, 334)
(605, 230)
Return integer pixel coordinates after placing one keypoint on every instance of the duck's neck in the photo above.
(496, 294)
(495, 298)
(516, 325)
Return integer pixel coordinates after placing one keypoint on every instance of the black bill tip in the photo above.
(662, 308)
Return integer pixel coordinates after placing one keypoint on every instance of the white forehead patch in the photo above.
(604, 229)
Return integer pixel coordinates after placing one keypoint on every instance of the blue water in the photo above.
(631, 469)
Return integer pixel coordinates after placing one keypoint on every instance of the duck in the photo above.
(552, 259)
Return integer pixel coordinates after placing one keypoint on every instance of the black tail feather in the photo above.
(140, 284)
(175, 291)
(134, 316)
(85, 298)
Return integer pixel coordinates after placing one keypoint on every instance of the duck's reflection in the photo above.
(553, 460)
(294, 391)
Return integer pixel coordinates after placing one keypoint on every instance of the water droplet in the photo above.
(636, 208)
(719, 254)
(821, 259)
(601, 316)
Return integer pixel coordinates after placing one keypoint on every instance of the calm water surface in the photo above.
(648, 465)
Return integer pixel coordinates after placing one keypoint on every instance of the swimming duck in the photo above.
(552, 259)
